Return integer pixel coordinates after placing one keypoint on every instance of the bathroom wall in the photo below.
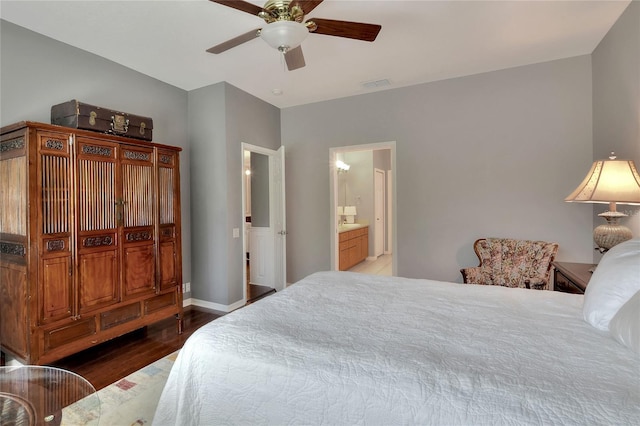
(360, 184)
(357, 186)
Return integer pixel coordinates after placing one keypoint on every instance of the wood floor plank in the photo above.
(256, 292)
(111, 361)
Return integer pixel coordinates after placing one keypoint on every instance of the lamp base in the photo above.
(611, 233)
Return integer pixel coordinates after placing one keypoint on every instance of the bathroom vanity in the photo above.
(354, 244)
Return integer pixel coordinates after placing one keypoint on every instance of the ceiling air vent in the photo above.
(374, 84)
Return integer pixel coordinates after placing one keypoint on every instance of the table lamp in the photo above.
(610, 181)
(350, 212)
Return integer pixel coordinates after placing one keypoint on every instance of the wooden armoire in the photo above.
(89, 239)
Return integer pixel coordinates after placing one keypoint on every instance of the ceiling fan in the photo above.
(285, 30)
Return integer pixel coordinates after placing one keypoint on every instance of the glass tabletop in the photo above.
(41, 395)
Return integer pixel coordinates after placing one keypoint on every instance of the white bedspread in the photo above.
(343, 348)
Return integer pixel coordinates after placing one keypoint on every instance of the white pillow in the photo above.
(625, 325)
(614, 282)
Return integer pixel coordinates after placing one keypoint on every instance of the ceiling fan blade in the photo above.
(307, 5)
(294, 59)
(240, 5)
(355, 30)
(236, 41)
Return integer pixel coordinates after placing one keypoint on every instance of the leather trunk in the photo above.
(89, 117)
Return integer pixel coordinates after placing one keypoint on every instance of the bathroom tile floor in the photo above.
(381, 266)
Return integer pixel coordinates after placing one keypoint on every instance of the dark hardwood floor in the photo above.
(117, 358)
(256, 292)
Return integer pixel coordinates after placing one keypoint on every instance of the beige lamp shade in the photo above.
(609, 181)
(350, 211)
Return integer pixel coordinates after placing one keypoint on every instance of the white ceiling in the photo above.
(420, 41)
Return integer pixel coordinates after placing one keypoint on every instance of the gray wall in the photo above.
(37, 72)
(616, 101)
(493, 154)
(221, 118)
(382, 159)
(209, 213)
(253, 121)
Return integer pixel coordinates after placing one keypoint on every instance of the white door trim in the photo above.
(389, 196)
(378, 212)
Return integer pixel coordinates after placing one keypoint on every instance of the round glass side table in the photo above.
(41, 395)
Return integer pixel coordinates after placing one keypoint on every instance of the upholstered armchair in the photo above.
(512, 263)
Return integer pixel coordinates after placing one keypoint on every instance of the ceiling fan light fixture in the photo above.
(284, 35)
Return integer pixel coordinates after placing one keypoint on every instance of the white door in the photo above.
(379, 212)
(261, 255)
(267, 241)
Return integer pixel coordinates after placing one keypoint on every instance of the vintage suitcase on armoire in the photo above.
(89, 117)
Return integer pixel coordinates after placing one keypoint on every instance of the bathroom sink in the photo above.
(349, 226)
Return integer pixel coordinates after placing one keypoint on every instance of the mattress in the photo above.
(348, 348)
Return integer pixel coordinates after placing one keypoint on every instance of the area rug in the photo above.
(129, 401)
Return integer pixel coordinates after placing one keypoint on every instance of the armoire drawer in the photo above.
(56, 337)
(119, 315)
(159, 302)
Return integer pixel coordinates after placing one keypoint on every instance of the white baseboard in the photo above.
(371, 258)
(12, 362)
(387, 252)
(214, 306)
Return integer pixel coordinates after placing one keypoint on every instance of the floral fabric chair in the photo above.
(512, 263)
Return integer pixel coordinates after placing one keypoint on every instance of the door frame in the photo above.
(379, 237)
(276, 208)
(333, 197)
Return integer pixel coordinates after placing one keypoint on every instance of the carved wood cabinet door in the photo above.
(98, 239)
(169, 229)
(137, 215)
(55, 288)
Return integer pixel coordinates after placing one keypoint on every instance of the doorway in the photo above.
(365, 184)
(263, 207)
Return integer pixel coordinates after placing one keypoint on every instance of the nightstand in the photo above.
(571, 277)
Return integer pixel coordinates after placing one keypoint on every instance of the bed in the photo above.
(346, 348)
